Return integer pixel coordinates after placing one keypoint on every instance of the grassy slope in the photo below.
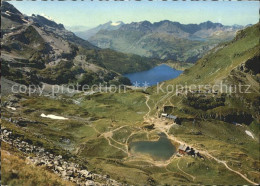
(119, 62)
(102, 113)
(221, 139)
(16, 171)
(217, 64)
(110, 112)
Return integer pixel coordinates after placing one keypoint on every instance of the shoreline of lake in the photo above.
(153, 76)
(160, 150)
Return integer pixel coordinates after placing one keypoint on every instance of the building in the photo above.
(171, 117)
(182, 149)
(164, 115)
(190, 152)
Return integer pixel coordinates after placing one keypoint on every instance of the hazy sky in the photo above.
(93, 13)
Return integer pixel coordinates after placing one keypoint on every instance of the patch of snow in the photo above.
(25, 20)
(47, 17)
(11, 108)
(249, 134)
(7, 13)
(115, 24)
(53, 116)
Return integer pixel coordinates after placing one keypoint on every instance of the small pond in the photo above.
(159, 150)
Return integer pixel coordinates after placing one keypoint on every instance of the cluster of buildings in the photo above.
(186, 150)
(171, 117)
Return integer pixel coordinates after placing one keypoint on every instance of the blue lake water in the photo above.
(154, 75)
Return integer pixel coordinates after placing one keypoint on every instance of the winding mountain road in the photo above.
(149, 108)
(202, 152)
(225, 164)
(193, 177)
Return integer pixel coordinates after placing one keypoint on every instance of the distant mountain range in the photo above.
(164, 40)
(35, 49)
(91, 32)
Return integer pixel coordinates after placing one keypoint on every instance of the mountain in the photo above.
(227, 66)
(95, 143)
(217, 102)
(37, 49)
(165, 39)
(77, 28)
(91, 32)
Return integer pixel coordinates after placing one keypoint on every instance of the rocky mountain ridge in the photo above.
(166, 39)
(38, 49)
(106, 26)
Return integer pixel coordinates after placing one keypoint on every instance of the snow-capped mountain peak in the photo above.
(115, 23)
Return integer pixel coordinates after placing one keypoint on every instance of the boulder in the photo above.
(56, 162)
(50, 166)
(84, 172)
(64, 166)
(63, 174)
(59, 169)
(69, 173)
(90, 183)
(89, 176)
(71, 169)
(39, 163)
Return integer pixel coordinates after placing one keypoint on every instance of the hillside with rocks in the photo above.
(38, 156)
(230, 72)
(93, 31)
(36, 49)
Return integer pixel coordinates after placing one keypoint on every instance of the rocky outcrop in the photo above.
(66, 170)
(250, 66)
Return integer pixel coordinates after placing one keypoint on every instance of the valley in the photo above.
(106, 140)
